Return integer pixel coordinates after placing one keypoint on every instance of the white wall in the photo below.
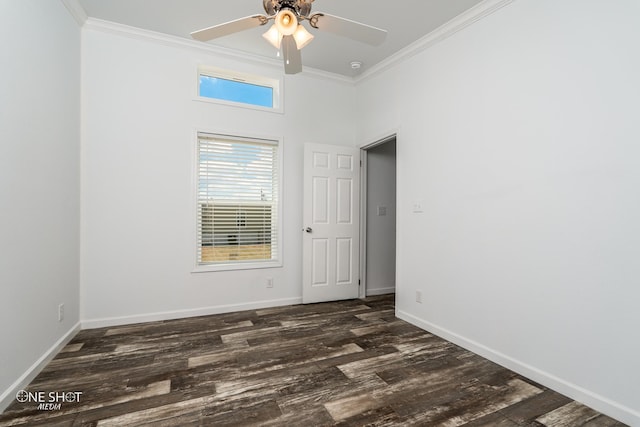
(381, 229)
(138, 211)
(39, 185)
(520, 135)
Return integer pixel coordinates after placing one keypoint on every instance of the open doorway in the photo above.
(378, 218)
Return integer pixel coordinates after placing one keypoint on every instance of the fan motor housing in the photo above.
(300, 7)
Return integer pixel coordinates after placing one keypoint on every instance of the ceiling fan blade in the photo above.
(231, 27)
(348, 28)
(292, 56)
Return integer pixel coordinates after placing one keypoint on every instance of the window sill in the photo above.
(236, 266)
(277, 110)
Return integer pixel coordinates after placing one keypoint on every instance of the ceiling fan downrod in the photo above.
(302, 8)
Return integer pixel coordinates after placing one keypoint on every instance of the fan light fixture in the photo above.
(302, 37)
(286, 24)
(273, 36)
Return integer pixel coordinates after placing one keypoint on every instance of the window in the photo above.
(238, 88)
(231, 90)
(237, 202)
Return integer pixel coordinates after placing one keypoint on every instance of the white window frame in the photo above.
(274, 83)
(247, 265)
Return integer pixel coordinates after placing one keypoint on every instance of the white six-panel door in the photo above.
(331, 218)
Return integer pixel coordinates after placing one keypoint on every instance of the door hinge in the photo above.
(360, 163)
(358, 282)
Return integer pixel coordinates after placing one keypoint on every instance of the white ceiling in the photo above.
(406, 21)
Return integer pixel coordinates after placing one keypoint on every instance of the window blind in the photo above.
(237, 213)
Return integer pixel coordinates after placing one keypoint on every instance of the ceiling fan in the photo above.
(287, 32)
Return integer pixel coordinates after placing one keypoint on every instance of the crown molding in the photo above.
(183, 43)
(460, 22)
(76, 10)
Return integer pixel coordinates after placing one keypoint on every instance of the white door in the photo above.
(331, 220)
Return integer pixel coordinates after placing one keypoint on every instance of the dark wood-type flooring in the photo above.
(349, 363)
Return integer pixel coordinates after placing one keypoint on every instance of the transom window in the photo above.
(238, 201)
(238, 88)
(236, 91)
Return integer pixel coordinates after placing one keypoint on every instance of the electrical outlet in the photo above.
(270, 282)
(419, 297)
(60, 312)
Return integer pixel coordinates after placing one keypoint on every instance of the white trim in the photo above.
(364, 148)
(363, 224)
(381, 291)
(238, 104)
(389, 136)
(460, 22)
(30, 374)
(180, 42)
(76, 10)
(183, 314)
(589, 398)
(208, 268)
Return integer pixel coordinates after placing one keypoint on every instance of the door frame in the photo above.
(363, 207)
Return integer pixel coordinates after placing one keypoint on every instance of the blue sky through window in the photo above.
(231, 90)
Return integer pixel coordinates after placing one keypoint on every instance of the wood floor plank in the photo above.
(346, 363)
(571, 414)
(351, 406)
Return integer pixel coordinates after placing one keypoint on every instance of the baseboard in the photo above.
(381, 291)
(181, 314)
(8, 396)
(591, 399)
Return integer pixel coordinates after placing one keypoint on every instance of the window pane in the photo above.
(231, 90)
(237, 200)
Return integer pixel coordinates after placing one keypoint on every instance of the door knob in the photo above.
(309, 230)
